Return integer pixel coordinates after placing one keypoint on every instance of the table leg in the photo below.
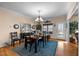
(36, 47)
(26, 45)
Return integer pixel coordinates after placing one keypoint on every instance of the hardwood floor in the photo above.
(6, 51)
(67, 49)
(63, 49)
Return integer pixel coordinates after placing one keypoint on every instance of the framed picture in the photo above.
(16, 26)
(33, 27)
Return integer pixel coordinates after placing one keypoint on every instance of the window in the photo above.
(61, 30)
(48, 28)
(44, 28)
(60, 27)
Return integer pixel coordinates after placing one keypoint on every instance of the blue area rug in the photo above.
(48, 50)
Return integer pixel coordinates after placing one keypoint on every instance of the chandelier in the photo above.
(39, 18)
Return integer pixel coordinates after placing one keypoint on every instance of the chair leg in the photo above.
(30, 46)
(43, 43)
(26, 45)
(35, 47)
(13, 44)
(19, 41)
(38, 42)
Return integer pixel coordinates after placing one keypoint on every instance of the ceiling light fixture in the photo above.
(39, 18)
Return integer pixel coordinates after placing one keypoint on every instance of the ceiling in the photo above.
(76, 13)
(30, 9)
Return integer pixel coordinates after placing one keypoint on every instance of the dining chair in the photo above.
(43, 39)
(28, 41)
(14, 38)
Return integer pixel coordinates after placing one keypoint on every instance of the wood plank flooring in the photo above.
(67, 49)
(63, 49)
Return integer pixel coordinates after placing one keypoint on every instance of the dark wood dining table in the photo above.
(34, 39)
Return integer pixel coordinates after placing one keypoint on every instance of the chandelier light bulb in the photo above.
(39, 17)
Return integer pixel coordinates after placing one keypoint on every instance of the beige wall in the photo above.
(74, 18)
(7, 19)
(58, 20)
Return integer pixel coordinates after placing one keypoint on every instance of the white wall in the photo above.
(7, 19)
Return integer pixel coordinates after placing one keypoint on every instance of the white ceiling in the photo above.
(30, 9)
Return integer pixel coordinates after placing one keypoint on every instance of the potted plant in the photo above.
(73, 27)
(38, 26)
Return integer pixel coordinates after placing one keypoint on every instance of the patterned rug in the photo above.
(48, 50)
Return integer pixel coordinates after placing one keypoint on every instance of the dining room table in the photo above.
(34, 39)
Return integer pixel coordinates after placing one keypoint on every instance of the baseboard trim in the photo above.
(58, 39)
